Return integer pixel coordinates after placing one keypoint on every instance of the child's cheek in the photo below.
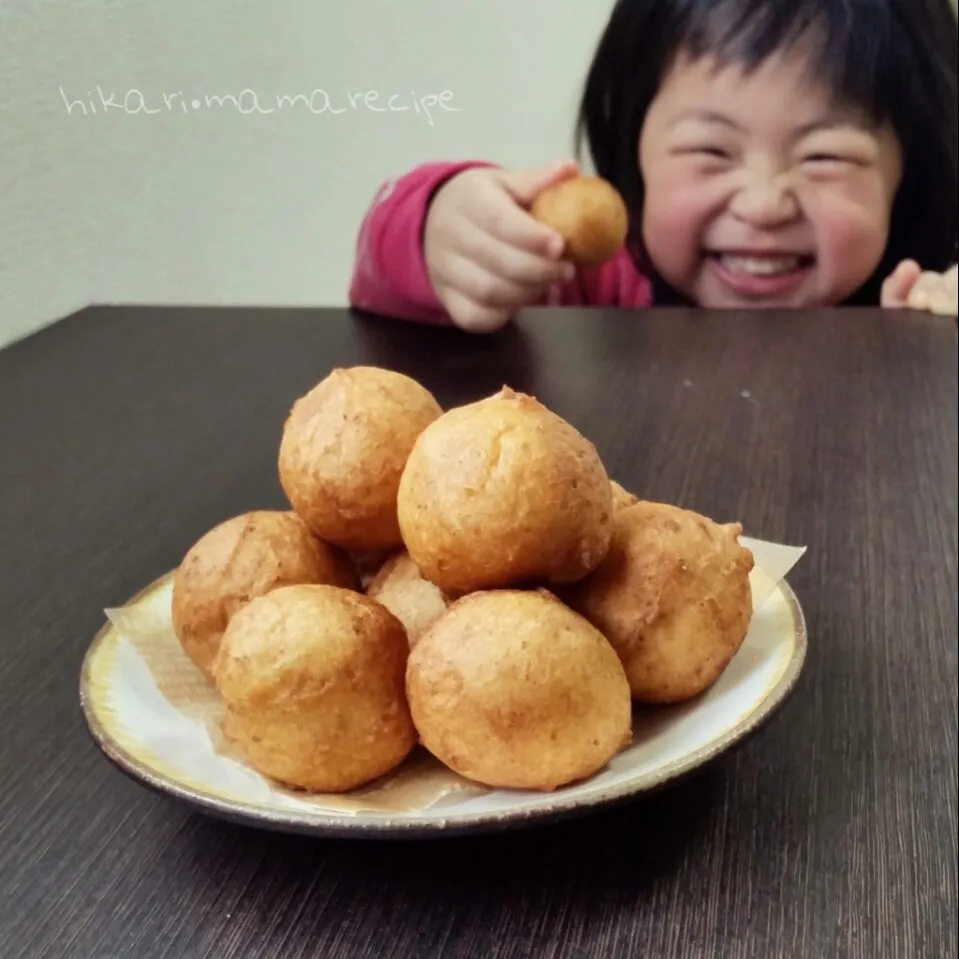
(851, 238)
(675, 215)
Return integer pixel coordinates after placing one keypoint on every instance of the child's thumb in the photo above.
(526, 184)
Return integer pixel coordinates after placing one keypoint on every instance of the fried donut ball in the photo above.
(622, 497)
(240, 559)
(343, 448)
(503, 492)
(588, 213)
(672, 596)
(512, 689)
(411, 598)
(313, 685)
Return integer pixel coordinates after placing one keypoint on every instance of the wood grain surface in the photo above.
(125, 433)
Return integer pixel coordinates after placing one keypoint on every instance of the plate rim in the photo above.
(389, 826)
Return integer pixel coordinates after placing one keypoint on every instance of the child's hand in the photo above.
(485, 254)
(909, 287)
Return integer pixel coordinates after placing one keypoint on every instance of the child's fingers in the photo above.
(488, 287)
(935, 293)
(471, 316)
(519, 266)
(526, 184)
(952, 280)
(895, 291)
(505, 222)
(920, 292)
(512, 223)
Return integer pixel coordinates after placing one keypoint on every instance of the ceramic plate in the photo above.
(152, 714)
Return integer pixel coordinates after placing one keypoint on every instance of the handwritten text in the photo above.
(319, 102)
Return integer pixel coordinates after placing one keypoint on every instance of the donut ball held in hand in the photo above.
(513, 690)
(401, 587)
(343, 449)
(673, 598)
(588, 213)
(313, 685)
(504, 492)
(238, 560)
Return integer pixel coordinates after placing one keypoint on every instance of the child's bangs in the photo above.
(863, 68)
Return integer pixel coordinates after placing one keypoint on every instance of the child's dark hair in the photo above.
(896, 59)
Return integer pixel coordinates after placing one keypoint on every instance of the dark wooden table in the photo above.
(126, 432)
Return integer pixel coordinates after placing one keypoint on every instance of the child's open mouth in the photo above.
(761, 275)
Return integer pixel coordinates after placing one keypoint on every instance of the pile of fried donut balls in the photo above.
(467, 581)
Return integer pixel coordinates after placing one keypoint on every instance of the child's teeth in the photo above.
(760, 266)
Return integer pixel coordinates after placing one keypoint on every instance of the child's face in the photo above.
(760, 191)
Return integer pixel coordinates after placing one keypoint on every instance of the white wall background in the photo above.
(210, 205)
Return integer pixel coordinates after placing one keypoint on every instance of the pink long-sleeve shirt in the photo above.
(389, 274)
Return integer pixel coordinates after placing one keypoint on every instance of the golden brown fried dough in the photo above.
(673, 598)
(514, 690)
(313, 684)
(588, 213)
(343, 448)
(622, 498)
(503, 492)
(240, 559)
(408, 595)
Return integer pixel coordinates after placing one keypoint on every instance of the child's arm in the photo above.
(390, 276)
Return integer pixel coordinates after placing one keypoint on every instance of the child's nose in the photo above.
(765, 202)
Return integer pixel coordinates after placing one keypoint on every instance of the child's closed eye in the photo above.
(830, 166)
(703, 150)
(831, 158)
